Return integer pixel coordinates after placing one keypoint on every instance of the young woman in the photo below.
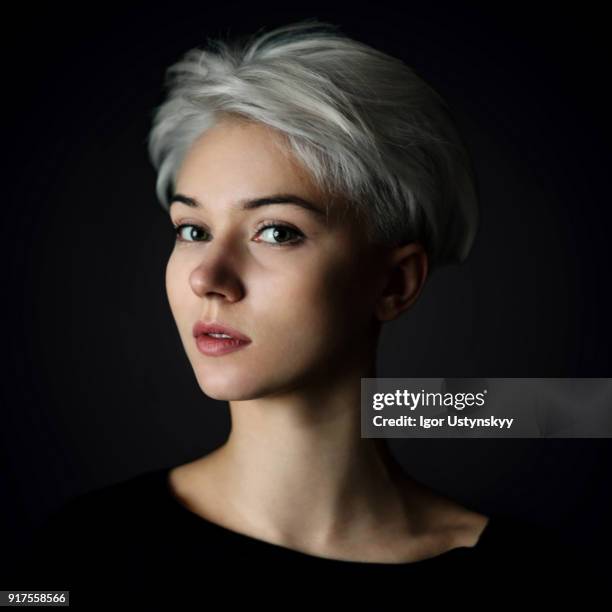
(315, 183)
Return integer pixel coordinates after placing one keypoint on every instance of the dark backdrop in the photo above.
(96, 387)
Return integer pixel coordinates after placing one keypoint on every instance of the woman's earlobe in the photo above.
(387, 309)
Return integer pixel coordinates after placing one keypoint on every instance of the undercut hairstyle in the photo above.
(368, 130)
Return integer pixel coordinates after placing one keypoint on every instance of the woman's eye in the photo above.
(191, 233)
(275, 234)
(279, 232)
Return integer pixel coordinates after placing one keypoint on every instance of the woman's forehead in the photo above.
(234, 156)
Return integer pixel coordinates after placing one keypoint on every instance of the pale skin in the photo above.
(294, 470)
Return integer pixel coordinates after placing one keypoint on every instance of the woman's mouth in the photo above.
(215, 339)
(215, 346)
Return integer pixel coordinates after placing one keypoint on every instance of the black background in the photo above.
(95, 384)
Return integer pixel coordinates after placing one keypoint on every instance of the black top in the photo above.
(134, 540)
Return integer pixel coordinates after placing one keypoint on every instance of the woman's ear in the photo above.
(406, 272)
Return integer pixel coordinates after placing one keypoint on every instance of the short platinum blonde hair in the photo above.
(363, 123)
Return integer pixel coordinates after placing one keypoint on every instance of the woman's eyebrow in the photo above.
(249, 204)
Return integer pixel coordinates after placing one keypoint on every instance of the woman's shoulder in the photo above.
(102, 531)
(98, 516)
(120, 499)
(531, 548)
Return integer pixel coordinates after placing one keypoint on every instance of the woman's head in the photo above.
(303, 289)
(304, 111)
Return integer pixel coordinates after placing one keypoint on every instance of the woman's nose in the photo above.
(217, 273)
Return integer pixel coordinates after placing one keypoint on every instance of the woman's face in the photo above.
(304, 295)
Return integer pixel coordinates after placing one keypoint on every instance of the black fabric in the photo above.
(134, 543)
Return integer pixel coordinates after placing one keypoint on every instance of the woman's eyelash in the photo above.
(181, 226)
(299, 236)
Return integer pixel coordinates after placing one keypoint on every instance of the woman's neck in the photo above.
(295, 469)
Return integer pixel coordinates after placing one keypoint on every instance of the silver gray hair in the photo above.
(363, 123)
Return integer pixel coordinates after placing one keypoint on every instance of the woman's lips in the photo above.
(207, 327)
(212, 346)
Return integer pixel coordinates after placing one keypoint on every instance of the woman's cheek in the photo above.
(181, 299)
(173, 288)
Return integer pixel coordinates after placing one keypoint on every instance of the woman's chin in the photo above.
(226, 385)
(238, 385)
